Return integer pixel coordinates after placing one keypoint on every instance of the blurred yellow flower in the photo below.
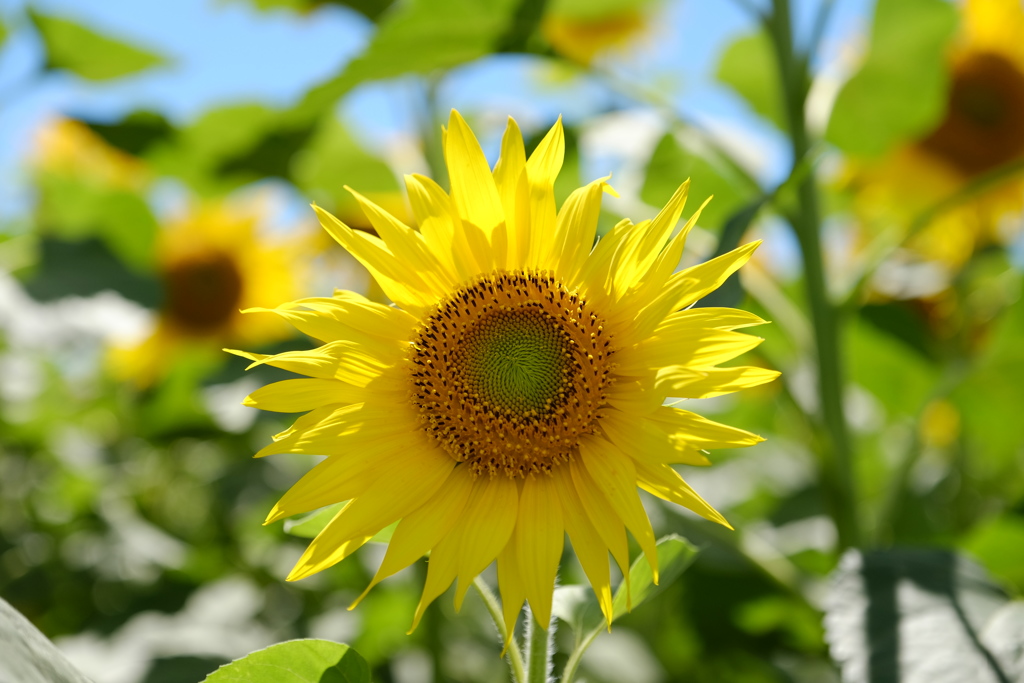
(582, 37)
(981, 130)
(68, 147)
(515, 391)
(213, 261)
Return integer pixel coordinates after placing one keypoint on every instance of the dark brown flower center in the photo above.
(203, 292)
(984, 124)
(510, 371)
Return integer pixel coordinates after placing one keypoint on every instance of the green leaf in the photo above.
(420, 37)
(296, 661)
(675, 554)
(748, 66)
(3, 33)
(308, 526)
(921, 615)
(677, 158)
(999, 544)
(136, 132)
(898, 376)
(595, 9)
(87, 53)
(900, 91)
(26, 656)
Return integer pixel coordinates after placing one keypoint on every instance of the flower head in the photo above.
(515, 391)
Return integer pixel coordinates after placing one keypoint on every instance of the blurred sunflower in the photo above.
(213, 261)
(580, 33)
(515, 391)
(981, 130)
(67, 147)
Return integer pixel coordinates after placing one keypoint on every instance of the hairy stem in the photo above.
(512, 654)
(538, 654)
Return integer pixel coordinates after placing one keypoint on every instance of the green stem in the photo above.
(573, 663)
(538, 655)
(512, 654)
(806, 221)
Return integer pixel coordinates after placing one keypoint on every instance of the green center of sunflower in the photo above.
(517, 360)
(509, 371)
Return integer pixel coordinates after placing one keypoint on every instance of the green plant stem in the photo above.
(538, 654)
(838, 468)
(512, 654)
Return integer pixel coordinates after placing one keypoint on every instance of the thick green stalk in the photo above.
(806, 221)
(538, 654)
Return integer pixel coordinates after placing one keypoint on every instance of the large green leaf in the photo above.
(748, 66)
(677, 158)
(900, 91)
(87, 53)
(136, 132)
(26, 656)
(296, 661)
(921, 615)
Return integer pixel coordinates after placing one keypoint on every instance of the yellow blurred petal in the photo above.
(538, 540)
(615, 476)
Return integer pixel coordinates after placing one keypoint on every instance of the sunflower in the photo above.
(213, 261)
(515, 390)
(981, 129)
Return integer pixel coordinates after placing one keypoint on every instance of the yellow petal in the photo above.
(586, 541)
(615, 475)
(710, 317)
(695, 431)
(424, 528)
(715, 381)
(390, 498)
(509, 171)
(648, 440)
(645, 243)
(608, 524)
(665, 482)
(300, 395)
(575, 230)
(347, 361)
(694, 347)
(442, 228)
(485, 528)
(538, 540)
(541, 170)
(441, 570)
(513, 591)
(355, 310)
(473, 189)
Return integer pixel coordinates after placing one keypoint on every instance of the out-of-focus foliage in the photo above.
(131, 513)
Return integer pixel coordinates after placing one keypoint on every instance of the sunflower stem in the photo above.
(512, 653)
(838, 472)
(538, 654)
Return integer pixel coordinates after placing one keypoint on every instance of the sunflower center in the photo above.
(509, 372)
(203, 292)
(984, 124)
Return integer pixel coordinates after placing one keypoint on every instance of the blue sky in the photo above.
(223, 51)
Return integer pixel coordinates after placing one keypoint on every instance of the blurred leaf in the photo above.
(524, 24)
(86, 267)
(75, 209)
(87, 53)
(999, 544)
(3, 33)
(675, 554)
(135, 133)
(921, 615)
(900, 91)
(308, 526)
(371, 9)
(271, 156)
(748, 67)
(296, 661)
(595, 9)
(675, 159)
(334, 159)
(901, 321)
(899, 377)
(26, 656)
(419, 37)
